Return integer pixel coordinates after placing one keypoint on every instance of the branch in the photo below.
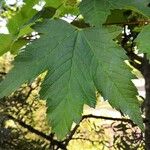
(70, 137)
(107, 118)
(134, 56)
(39, 133)
(129, 23)
(136, 65)
(130, 49)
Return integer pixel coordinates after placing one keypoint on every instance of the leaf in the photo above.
(143, 40)
(5, 43)
(111, 76)
(63, 7)
(117, 16)
(68, 84)
(19, 25)
(55, 4)
(17, 45)
(78, 62)
(46, 12)
(8, 43)
(15, 24)
(21, 17)
(96, 11)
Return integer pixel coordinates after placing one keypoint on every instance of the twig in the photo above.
(69, 138)
(129, 23)
(59, 144)
(108, 118)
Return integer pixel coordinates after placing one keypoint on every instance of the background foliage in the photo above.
(68, 64)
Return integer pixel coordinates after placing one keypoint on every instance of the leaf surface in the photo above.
(20, 25)
(15, 26)
(143, 40)
(7, 43)
(21, 17)
(78, 63)
(111, 76)
(96, 11)
(63, 7)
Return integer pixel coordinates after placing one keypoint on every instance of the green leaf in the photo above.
(17, 45)
(78, 62)
(63, 7)
(117, 16)
(55, 4)
(96, 11)
(68, 84)
(46, 12)
(5, 43)
(111, 76)
(8, 43)
(19, 25)
(16, 22)
(143, 40)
